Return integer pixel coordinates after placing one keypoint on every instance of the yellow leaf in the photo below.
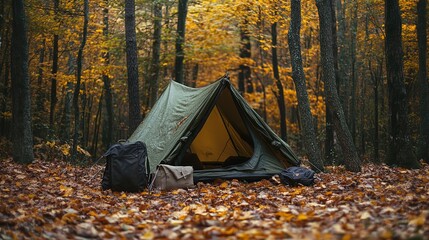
(148, 235)
(386, 234)
(302, 217)
(346, 237)
(285, 216)
(67, 191)
(93, 214)
(418, 221)
(224, 185)
(65, 149)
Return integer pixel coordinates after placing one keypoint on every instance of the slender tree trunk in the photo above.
(400, 152)
(362, 118)
(280, 94)
(83, 106)
(165, 42)
(132, 66)
(108, 129)
(21, 104)
(306, 119)
(78, 79)
(342, 59)
(261, 81)
(97, 124)
(5, 130)
(54, 99)
(195, 71)
(40, 96)
(179, 75)
(353, 75)
(5, 96)
(5, 30)
(423, 81)
(244, 74)
(376, 79)
(86, 104)
(352, 161)
(329, 139)
(68, 98)
(156, 52)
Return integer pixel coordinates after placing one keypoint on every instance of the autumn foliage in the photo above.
(57, 200)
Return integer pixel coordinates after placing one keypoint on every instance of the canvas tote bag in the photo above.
(168, 177)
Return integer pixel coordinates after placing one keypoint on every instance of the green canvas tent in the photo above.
(213, 129)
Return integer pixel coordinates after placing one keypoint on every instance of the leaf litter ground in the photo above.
(58, 200)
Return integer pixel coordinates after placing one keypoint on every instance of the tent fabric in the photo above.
(216, 124)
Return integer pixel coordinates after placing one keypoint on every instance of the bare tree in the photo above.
(108, 129)
(400, 152)
(280, 96)
(21, 104)
(351, 159)
(54, 99)
(179, 74)
(423, 81)
(156, 52)
(132, 66)
(308, 134)
(78, 79)
(244, 74)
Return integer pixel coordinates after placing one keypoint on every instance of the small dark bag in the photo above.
(126, 167)
(297, 175)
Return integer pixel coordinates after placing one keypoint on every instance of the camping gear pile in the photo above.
(211, 129)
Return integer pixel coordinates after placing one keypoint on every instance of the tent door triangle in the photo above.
(223, 139)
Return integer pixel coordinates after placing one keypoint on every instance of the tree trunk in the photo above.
(108, 129)
(353, 75)
(362, 118)
(400, 151)
(179, 75)
(342, 60)
(132, 67)
(423, 81)
(5, 130)
(78, 79)
(244, 80)
(306, 119)
(195, 71)
(97, 124)
(156, 52)
(5, 30)
(86, 104)
(351, 159)
(329, 131)
(40, 95)
(165, 41)
(68, 98)
(280, 94)
(376, 80)
(54, 99)
(22, 136)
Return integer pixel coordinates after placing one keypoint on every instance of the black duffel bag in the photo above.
(297, 175)
(126, 167)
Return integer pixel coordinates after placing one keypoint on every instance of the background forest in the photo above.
(246, 39)
(342, 81)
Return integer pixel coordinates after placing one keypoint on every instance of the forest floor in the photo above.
(54, 199)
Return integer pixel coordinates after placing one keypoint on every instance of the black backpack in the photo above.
(297, 175)
(126, 167)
